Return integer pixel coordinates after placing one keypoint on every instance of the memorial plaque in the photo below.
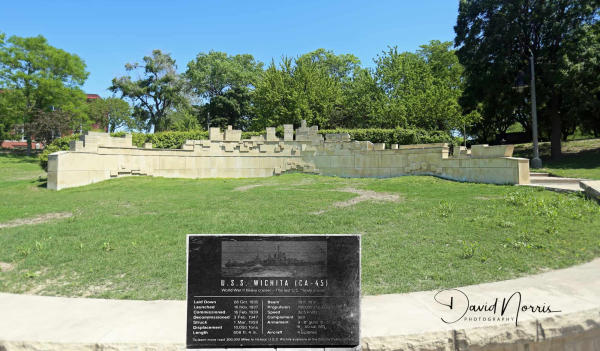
(273, 291)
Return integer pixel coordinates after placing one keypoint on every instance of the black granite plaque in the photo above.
(273, 291)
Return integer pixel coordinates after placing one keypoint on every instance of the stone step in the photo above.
(553, 180)
(538, 174)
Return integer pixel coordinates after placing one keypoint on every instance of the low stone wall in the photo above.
(578, 331)
(98, 156)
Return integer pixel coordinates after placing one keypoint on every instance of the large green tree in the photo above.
(310, 87)
(36, 76)
(111, 113)
(159, 91)
(495, 40)
(421, 89)
(218, 79)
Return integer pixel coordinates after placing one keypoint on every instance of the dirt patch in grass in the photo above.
(95, 290)
(248, 187)
(487, 197)
(36, 220)
(252, 186)
(5, 266)
(363, 195)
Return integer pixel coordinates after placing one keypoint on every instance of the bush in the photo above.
(399, 136)
(57, 144)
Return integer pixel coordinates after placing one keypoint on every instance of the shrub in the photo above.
(401, 136)
(57, 144)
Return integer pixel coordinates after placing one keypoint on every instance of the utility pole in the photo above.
(536, 162)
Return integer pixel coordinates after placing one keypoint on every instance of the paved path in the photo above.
(54, 323)
(555, 183)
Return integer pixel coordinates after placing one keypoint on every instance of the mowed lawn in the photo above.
(581, 158)
(125, 238)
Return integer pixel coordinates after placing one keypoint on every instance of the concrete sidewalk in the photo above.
(387, 321)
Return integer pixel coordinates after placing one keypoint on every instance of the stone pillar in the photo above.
(214, 133)
(271, 136)
(288, 132)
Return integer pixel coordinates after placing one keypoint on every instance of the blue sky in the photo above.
(108, 34)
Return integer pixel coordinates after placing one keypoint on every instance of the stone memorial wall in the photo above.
(98, 156)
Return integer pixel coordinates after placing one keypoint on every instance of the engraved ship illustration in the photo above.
(278, 258)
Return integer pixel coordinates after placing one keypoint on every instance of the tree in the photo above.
(234, 108)
(213, 74)
(363, 101)
(310, 87)
(111, 113)
(156, 93)
(583, 90)
(42, 77)
(183, 120)
(422, 89)
(48, 125)
(496, 39)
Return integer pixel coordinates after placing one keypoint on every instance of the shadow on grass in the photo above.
(40, 182)
(587, 159)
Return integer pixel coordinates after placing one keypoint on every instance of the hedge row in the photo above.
(399, 136)
(174, 140)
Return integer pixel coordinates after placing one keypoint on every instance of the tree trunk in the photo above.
(555, 136)
(28, 138)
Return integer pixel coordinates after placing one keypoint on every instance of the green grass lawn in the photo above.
(126, 237)
(581, 158)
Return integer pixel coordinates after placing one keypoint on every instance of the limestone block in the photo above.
(394, 146)
(215, 134)
(187, 147)
(288, 132)
(316, 139)
(459, 150)
(271, 162)
(394, 160)
(302, 133)
(372, 172)
(177, 173)
(257, 137)
(229, 147)
(233, 134)
(171, 162)
(450, 163)
(366, 145)
(523, 170)
(76, 145)
(486, 151)
(490, 162)
(334, 161)
(367, 160)
(147, 145)
(53, 161)
(379, 146)
(339, 137)
(271, 136)
(270, 148)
